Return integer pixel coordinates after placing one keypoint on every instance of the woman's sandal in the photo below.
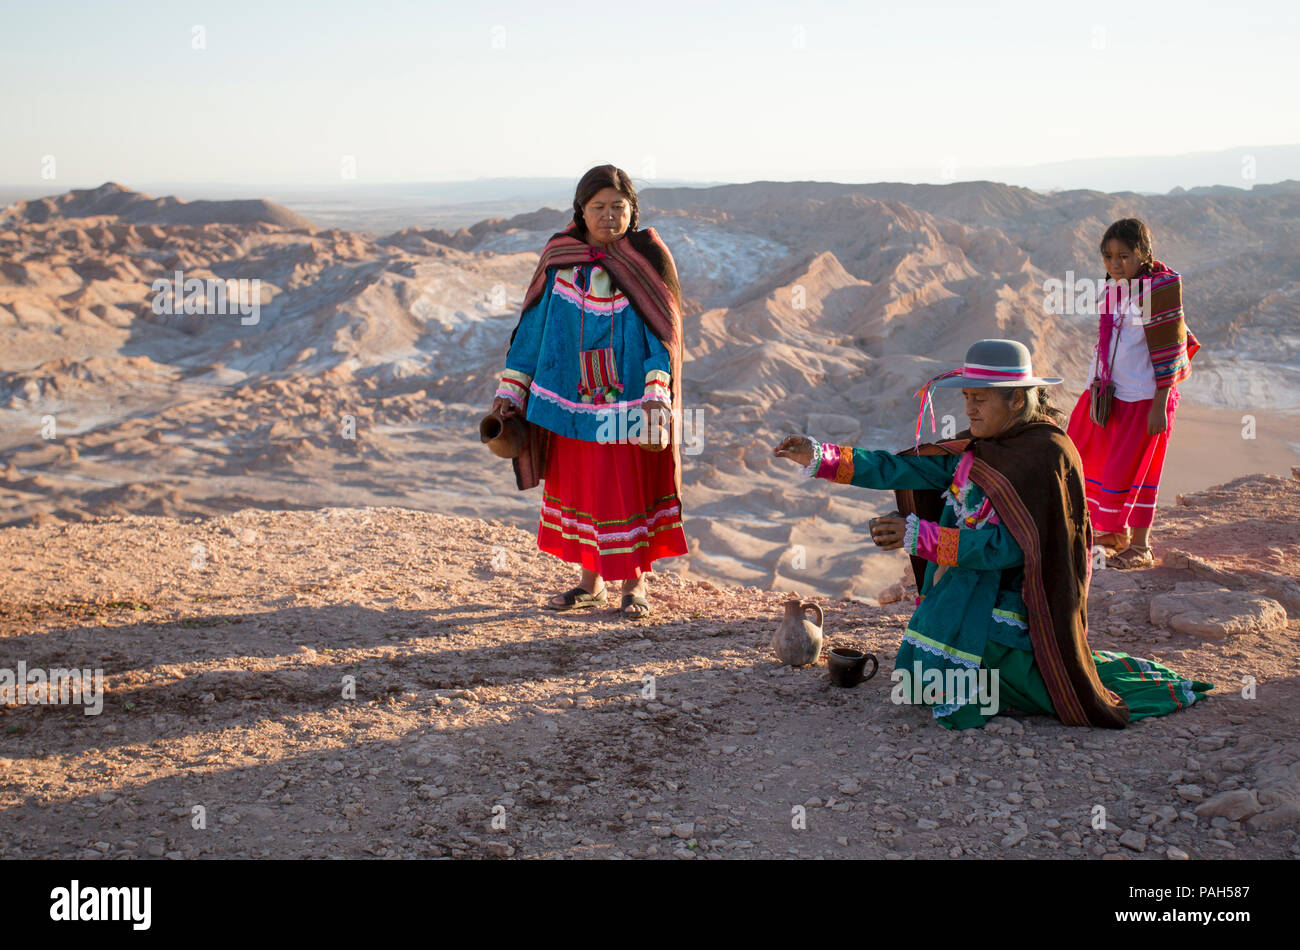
(578, 598)
(1132, 558)
(634, 600)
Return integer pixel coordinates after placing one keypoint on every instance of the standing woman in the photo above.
(1122, 422)
(594, 368)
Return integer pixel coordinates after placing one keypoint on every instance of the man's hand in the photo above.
(887, 531)
(797, 448)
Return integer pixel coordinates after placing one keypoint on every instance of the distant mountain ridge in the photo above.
(133, 207)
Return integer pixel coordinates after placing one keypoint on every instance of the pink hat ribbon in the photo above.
(926, 395)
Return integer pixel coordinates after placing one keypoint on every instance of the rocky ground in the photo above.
(483, 726)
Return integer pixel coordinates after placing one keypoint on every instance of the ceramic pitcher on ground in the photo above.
(798, 641)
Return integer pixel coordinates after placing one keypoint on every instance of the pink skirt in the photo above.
(1121, 463)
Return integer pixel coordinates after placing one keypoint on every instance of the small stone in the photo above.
(155, 850)
(107, 797)
(684, 830)
(927, 824)
(1176, 854)
(1286, 814)
(1014, 838)
(850, 787)
(1190, 793)
(1231, 805)
(1215, 614)
(1133, 840)
(499, 849)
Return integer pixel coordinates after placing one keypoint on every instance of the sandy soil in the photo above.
(226, 641)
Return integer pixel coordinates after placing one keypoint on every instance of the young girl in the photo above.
(1143, 353)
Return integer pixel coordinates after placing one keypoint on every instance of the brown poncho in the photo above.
(1033, 476)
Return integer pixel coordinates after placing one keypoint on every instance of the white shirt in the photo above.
(1131, 370)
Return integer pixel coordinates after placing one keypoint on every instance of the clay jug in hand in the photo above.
(505, 437)
(798, 641)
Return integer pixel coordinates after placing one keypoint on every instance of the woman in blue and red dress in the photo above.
(594, 368)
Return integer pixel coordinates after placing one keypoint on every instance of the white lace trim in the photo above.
(961, 511)
(909, 534)
(1009, 621)
(937, 652)
(810, 470)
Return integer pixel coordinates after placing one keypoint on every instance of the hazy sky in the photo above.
(734, 91)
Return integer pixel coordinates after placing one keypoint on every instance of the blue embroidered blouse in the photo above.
(581, 310)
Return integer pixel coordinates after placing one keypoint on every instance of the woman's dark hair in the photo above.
(1134, 233)
(1038, 404)
(604, 176)
(610, 176)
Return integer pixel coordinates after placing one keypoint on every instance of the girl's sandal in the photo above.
(1132, 558)
(635, 600)
(578, 598)
(1112, 543)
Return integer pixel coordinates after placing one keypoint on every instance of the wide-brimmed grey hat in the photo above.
(994, 364)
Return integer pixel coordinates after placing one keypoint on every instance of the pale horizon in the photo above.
(396, 94)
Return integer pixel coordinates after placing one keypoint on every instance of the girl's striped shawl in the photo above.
(643, 269)
(1171, 345)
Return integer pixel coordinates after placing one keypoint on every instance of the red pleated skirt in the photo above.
(1121, 463)
(612, 508)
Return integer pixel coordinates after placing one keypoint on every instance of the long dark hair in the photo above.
(611, 176)
(1135, 234)
(604, 176)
